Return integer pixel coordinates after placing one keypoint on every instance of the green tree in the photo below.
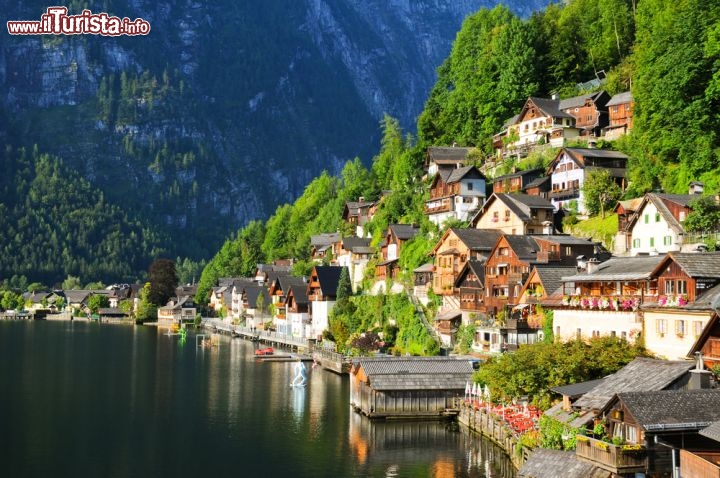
(146, 309)
(601, 192)
(163, 281)
(705, 215)
(71, 283)
(97, 301)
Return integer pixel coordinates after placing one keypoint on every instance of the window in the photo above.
(507, 215)
(657, 217)
(636, 243)
(667, 241)
(669, 287)
(680, 328)
(682, 216)
(681, 287)
(652, 242)
(470, 186)
(661, 326)
(697, 328)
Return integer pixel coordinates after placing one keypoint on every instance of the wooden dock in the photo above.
(264, 336)
(332, 361)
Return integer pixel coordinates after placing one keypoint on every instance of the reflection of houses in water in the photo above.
(406, 443)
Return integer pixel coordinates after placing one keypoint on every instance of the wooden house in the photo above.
(516, 214)
(688, 287)
(278, 290)
(516, 181)
(703, 462)
(657, 225)
(589, 110)
(297, 310)
(546, 463)
(446, 325)
(395, 237)
(454, 249)
(445, 158)
(652, 427)
(604, 298)
(177, 311)
(571, 166)
(322, 293)
(455, 193)
(620, 112)
(540, 121)
(324, 246)
(470, 283)
(625, 211)
(358, 213)
(407, 387)
(355, 253)
(422, 281)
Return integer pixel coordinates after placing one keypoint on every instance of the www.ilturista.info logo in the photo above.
(57, 22)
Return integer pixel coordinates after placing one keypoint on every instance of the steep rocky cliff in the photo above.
(225, 109)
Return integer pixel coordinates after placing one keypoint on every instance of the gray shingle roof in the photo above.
(619, 268)
(429, 267)
(477, 239)
(299, 292)
(551, 277)
(620, 98)
(545, 463)
(713, 431)
(659, 201)
(522, 204)
(698, 265)
(550, 107)
(351, 243)
(404, 231)
(329, 277)
(526, 172)
(325, 239)
(576, 390)
(642, 374)
(430, 373)
(459, 173)
(673, 409)
(524, 247)
(578, 101)
(476, 267)
(440, 154)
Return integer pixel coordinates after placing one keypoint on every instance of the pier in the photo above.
(264, 336)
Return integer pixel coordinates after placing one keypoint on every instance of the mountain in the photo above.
(225, 109)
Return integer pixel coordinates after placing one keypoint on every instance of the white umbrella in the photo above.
(467, 389)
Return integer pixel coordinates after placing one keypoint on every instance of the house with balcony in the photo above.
(324, 246)
(571, 166)
(359, 213)
(179, 310)
(517, 181)
(278, 290)
(455, 193)
(589, 110)
(620, 113)
(516, 214)
(604, 298)
(470, 284)
(625, 211)
(422, 282)
(395, 237)
(266, 273)
(253, 304)
(322, 294)
(453, 250)
(657, 225)
(297, 310)
(354, 253)
(445, 158)
(652, 428)
(688, 286)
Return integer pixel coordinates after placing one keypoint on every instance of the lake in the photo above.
(82, 399)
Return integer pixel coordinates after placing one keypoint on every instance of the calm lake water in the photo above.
(89, 400)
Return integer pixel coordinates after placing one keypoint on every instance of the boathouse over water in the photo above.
(407, 387)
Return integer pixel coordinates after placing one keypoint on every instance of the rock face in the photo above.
(225, 109)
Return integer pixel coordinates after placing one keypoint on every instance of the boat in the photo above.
(265, 351)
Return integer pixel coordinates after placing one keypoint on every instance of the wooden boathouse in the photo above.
(408, 387)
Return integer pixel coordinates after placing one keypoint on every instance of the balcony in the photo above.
(438, 208)
(619, 459)
(564, 193)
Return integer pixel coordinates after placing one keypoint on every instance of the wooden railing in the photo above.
(611, 457)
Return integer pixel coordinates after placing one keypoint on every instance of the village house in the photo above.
(297, 310)
(703, 462)
(354, 253)
(278, 290)
(452, 251)
(625, 211)
(395, 237)
(445, 158)
(455, 193)
(589, 110)
(516, 214)
(407, 387)
(422, 282)
(657, 225)
(177, 311)
(265, 273)
(323, 246)
(571, 166)
(517, 181)
(322, 293)
(470, 289)
(620, 112)
(251, 303)
(358, 213)
(603, 299)
(688, 286)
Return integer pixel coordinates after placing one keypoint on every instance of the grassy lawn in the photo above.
(599, 229)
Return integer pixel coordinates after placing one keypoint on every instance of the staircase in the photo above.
(421, 312)
(450, 302)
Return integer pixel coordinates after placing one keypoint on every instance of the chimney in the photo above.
(592, 265)
(361, 199)
(555, 96)
(699, 377)
(696, 187)
(591, 144)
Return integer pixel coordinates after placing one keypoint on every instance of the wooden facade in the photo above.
(505, 273)
(515, 182)
(471, 284)
(409, 387)
(704, 464)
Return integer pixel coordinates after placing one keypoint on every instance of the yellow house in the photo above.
(516, 214)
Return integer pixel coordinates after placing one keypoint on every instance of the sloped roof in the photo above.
(76, 296)
(352, 243)
(576, 390)
(673, 409)
(459, 173)
(325, 239)
(713, 431)
(551, 276)
(578, 101)
(658, 200)
(299, 292)
(630, 205)
(417, 373)
(642, 374)
(285, 282)
(524, 247)
(582, 154)
(550, 107)
(404, 232)
(695, 264)
(252, 292)
(620, 268)
(476, 267)
(620, 98)
(706, 300)
(536, 183)
(477, 239)
(545, 463)
(329, 277)
(517, 174)
(429, 267)
(443, 154)
(522, 204)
